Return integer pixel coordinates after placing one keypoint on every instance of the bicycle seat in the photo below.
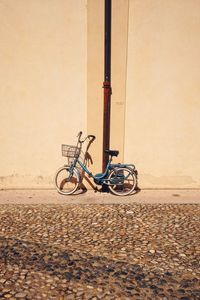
(112, 152)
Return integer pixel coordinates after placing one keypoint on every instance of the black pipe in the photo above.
(107, 87)
(107, 53)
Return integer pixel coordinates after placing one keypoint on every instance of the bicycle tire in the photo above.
(123, 181)
(65, 182)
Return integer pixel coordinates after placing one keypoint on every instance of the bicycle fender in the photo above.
(129, 166)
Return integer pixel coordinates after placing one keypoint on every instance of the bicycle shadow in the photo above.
(87, 161)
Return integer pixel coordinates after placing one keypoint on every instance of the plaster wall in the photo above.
(43, 77)
(51, 78)
(162, 134)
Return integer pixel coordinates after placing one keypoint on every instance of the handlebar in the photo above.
(79, 134)
(90, 137)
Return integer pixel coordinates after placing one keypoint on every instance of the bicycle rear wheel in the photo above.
(67, 180)
(122, 181)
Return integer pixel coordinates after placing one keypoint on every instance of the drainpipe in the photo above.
(107, 84)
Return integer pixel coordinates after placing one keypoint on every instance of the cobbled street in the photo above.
(121, 251)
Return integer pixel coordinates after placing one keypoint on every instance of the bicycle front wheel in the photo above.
(66, 180)
(122, 181)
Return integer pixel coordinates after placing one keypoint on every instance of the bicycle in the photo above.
(120, 178)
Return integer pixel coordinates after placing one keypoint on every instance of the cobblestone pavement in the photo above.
(133, 251)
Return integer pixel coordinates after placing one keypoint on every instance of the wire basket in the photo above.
(70, 151)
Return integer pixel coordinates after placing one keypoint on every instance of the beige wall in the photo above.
(163, 94)
(51, 77)
(43, 57)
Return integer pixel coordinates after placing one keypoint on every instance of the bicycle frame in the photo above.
(121, 178)
(100, 176)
